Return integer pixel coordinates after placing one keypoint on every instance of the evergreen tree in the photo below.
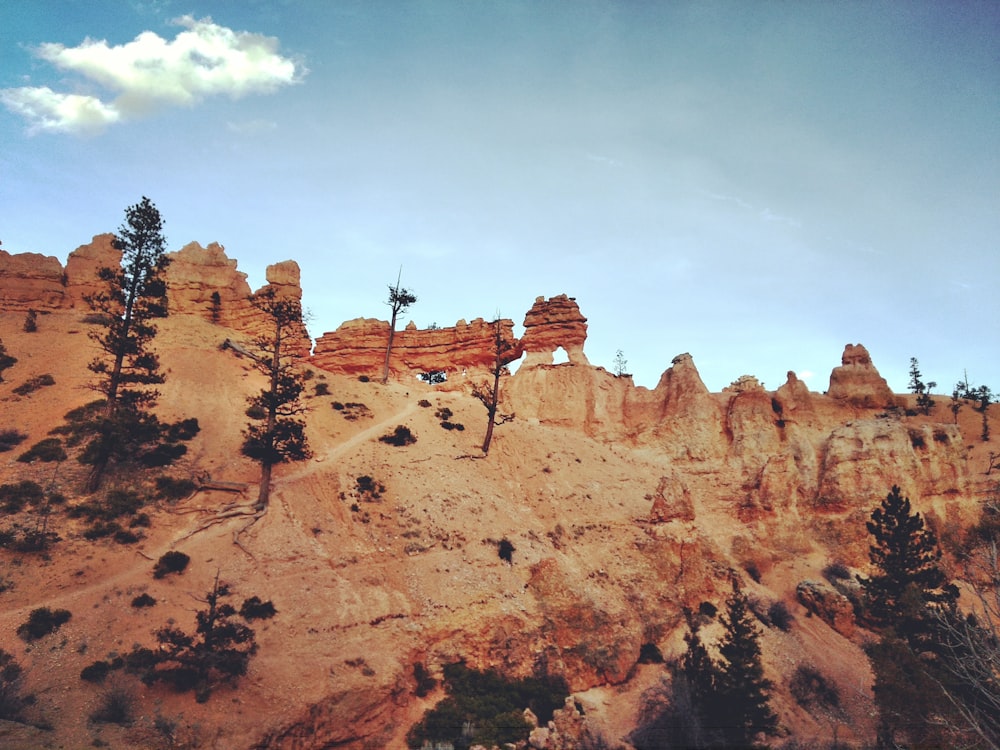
(123, 428)
(399, 301)
(918, 387)
(908, 581)
(276, 435)
(743, 691)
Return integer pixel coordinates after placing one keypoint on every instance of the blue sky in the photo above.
(755, 183)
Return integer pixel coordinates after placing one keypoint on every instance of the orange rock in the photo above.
(551, 324)
(858, 382)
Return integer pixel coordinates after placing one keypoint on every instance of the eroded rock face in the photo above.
(672, 500)
(689, 423)
(828, 604)
(196, 274)
(551, 324)
(358, 348)
(857, 381)
(82, 267)
(31, 281)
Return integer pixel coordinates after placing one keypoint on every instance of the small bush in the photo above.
(143, 600)
(13, 497)
(47, 450)
(171, 489)
(11, 438)
(12, 702)
(811, 689)
(363, 379)
(116, 706)
(444, 413)
(41, 622)
(650, 653)
(255, 411)
(425, 683)
(36, 383)
(170, 562)
(96, 672)
(453, 426)
(31, 321)
(254, 609)
(400, 437)
(779, 616)
(322, 389)
(426, 405)
(506, 551)
(96, 318)
(836, 571)
(707, 609)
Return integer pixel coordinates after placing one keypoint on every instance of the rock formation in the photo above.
(551, 324)
(31, 280)
(857, 381)
(358, 348)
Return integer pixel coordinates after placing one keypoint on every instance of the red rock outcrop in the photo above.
(551, 324)
(196, 273)
(82, 267)
(358, 348)
(31, 281)
(857, 381)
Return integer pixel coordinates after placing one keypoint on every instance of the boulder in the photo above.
(828, 604)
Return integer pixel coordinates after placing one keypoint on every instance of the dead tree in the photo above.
(504, 352)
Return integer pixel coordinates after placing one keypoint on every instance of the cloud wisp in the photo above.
(150, 72)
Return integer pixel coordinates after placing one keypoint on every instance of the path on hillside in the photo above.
(352, 442)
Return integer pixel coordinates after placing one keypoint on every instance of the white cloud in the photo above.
(150, 72)
(805, 375)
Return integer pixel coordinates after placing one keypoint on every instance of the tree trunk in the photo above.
(264, 495)
(388, 348)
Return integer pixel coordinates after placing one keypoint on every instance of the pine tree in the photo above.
(123, 428)
(276, 435)
(399, 301)
(743, 691)
(918, 387)
(908, 581)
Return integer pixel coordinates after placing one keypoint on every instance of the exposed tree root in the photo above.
(223, 515)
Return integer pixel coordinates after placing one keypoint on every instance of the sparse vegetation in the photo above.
(399, 437)
(6, 360)
(31, 321)
(254, 609)
(170, 562)
(115, 706)
(836, 571)
(34, 384)
(321, 389)
(172, 490)
(400, 299)
(9, 439)
(812, 690)
(47, 450)
(41, 622)
(12, 698)
(489, 393)
(142, 601)
(486, 708)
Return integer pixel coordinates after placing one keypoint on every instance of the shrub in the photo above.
(254, 609)
(10, 438)
(707, 609)
(256, 411)
(752, 570)
(444, 413)
(96, 318)
(649, 653)
(34, 384)
(12, 702)
(47, 450)
(368, 489)
(171, 489)
(170, 562)
(780, 616)
(486, 708)
(96, 672)
(425, 683)
(453, 426)
(322, 389)
(116, 706)
(13, 497)
(426, 405)
(31, 321)
(41, 622)
(400, 437)
(363, 378)
(836, 571)
(506, 551)
(811, 689)
(143, 600)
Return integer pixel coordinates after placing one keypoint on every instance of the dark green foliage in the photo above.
(923, 391)
(424, 403)
(780, 616)
(322, 389)
(219, 649)
(142, 601)
(812, 690)
(506, 550)
(400, 437)
(278, 436)
(116, 706)
(134, 295)
(12, 700)
(254, 609)
(908, 582)
(836, 571)
(41, 622)
(6, 360)
(47, 450)
(425, 683)
(171, 489)
(110, 507)
(95, 672)
(33, 384)
(31, 321)
(13, 497)
(368, 489)
(11, 438)
(488, 706)
(170, 562)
